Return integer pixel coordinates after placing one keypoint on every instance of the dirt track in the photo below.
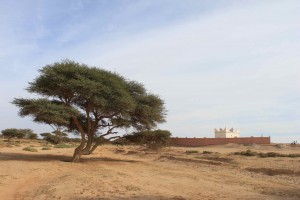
(129, 173)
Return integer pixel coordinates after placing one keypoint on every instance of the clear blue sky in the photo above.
(215, 63)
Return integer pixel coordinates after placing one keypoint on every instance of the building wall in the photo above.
(220, 135)
(196, 142)
(226, 135)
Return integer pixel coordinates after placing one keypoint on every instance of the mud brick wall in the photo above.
(196, 142)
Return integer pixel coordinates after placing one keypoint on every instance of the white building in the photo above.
(227, 133)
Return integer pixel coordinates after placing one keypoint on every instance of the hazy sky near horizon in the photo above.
(215, 63)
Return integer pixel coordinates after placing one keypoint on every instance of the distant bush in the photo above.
(265, 155)
(31, 149)
(191, 151)
(152, 139)
(207, 152)
(279, 146)
(46, 148)
(63, 145)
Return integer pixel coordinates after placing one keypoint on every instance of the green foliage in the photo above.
(12, 132)
(51, 138)
(151, 139)
(19, 133)
(55, 138)
(72, 86)
(45, 111)
(33, 136)
(31, 149)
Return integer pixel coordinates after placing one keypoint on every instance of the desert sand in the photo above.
(130, 172)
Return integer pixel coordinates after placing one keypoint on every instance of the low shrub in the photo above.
(265, 155)
(46, 148)
(191, 151)
(64, 145)
(246, 153)
(279, 146)
(31, 149)
(207, 152)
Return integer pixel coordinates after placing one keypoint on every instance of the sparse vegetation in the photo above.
(63, 145)
(273, 172)
(207, 152)
(264, 155)
(31, 149)
(166, 165)
(279, 146)
(191, 151)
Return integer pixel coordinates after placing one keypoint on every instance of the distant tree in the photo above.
(33, 136)
(28, 133)
(55, 137)
(49, 137)
(11, 133)
(152, 139)
(18, 133)
(84, 100)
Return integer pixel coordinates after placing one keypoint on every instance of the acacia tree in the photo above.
(86, 99)
(18, 133)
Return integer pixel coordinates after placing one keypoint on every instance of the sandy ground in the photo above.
(129, 173)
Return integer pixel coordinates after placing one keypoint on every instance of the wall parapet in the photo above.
(197, 142)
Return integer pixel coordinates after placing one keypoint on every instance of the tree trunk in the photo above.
(94, 147)
(77, 154)
(86, 150)
(78, 151)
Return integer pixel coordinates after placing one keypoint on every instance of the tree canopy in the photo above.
(86, 99)
(151, 139)
(18, 133)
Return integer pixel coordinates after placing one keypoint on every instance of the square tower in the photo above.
(227, 133)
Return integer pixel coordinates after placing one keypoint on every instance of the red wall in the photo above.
(196, 142)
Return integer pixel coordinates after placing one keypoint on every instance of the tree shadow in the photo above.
(106, 159)
(140, 197)
(4, 156)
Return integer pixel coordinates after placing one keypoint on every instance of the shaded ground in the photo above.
(130, 173)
